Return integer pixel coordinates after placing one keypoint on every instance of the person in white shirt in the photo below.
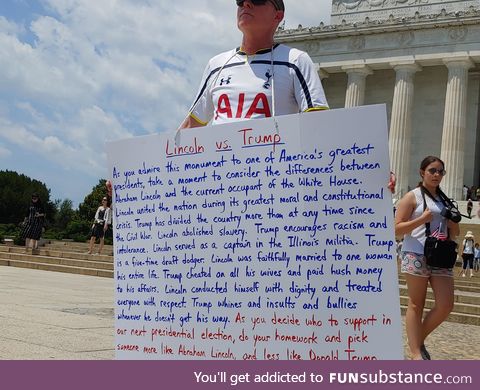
(410, 221)
(476, 257)
(100, 225)
(468, 253)
(259, 79)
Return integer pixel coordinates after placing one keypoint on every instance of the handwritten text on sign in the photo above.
(245, 241)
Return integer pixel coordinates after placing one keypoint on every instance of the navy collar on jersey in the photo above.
(262, 51)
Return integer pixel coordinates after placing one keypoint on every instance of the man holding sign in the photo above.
(244, 247)
(259, 79)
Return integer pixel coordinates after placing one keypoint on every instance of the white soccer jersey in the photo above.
(238, 87)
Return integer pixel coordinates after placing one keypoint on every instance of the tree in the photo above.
(81, 226)
(88, 208)
(15, 196)
(65, 214)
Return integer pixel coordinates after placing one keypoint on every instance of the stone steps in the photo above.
(58, 258)
(459, 308)
(81, 247)
(56, 268)
(460, 297)
(63, 253)
(464, 285)
(466, 308)
(459, 318)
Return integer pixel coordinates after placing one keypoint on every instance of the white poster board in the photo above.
(263, 239)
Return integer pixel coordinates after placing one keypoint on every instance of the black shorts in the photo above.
(97, 230)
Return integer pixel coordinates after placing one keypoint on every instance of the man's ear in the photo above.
(279, 16)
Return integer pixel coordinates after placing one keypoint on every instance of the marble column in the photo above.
(357, 75)
(323, 74)
(454, 125)
(401, 124)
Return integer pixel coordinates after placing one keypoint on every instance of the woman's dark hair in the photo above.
(38, 202)
(426, 162)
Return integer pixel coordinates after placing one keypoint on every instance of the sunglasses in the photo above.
(258, 2)
(433, 171)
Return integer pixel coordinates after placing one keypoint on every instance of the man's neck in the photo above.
(250, 45)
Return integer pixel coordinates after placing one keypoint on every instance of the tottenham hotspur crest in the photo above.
(266, 84)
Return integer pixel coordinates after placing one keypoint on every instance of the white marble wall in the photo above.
(354, 11)
(427, 115)
(429, 44)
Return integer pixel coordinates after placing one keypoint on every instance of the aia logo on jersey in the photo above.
(266, 84)
(259, 106)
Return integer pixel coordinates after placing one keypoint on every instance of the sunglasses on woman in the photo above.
(433, 171)
(258, 2)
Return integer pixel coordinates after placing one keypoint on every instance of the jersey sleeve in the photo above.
(308, 88)
(202, 108)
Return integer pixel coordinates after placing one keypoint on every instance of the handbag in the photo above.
(439, 253)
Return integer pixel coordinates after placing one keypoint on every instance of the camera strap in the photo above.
(427, 225)
(424, 191)
(443, 198)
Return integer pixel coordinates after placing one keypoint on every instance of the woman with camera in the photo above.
(419, 212)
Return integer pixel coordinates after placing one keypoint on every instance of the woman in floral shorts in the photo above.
(410, 220)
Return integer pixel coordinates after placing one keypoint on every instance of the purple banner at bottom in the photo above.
(120, 375)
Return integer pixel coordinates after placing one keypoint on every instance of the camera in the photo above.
(451, 213)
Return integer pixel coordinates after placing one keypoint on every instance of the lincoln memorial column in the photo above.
(321, 73)
(401, 124)
(454, 125)
(356, 84)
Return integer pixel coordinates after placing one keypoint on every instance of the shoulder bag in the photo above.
(439, 253)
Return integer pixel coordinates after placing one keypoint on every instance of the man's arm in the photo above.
(309, 91)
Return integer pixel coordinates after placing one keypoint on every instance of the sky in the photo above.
(75, 74)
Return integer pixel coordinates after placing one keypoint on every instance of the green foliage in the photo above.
(79, 230)
(63, 222)
(9, 230)
(65, 214)
(87, 209)
(15, 196)
(19, 240)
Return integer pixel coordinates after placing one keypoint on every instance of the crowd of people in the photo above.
(33, 224)
(470, 193)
